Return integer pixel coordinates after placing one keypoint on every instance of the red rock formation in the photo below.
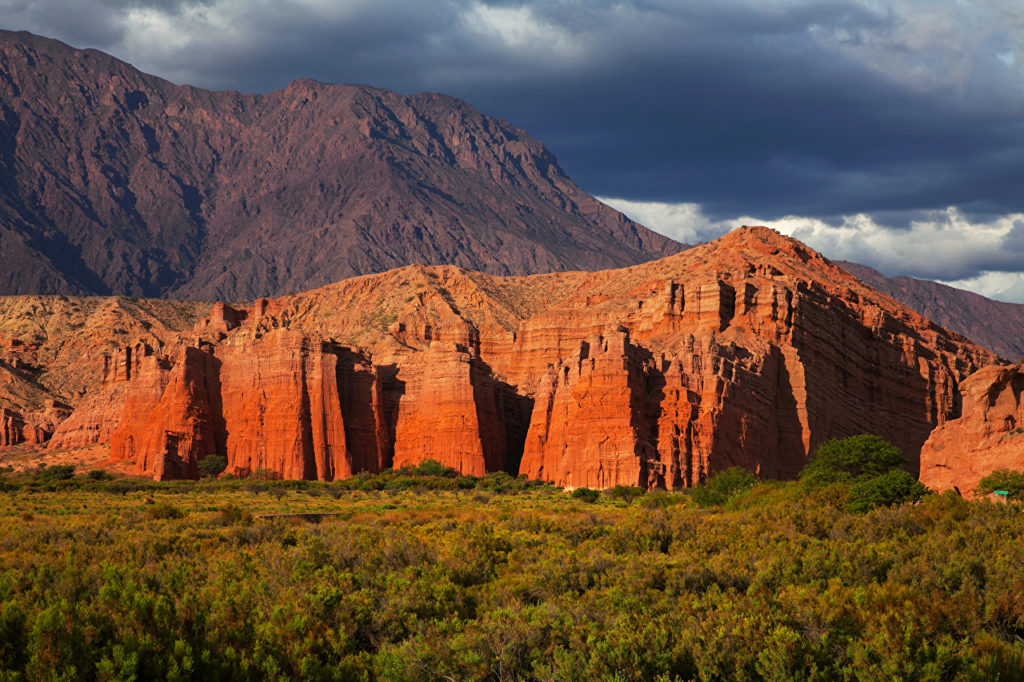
(282, 407)
(171, 418)
(453, 411)
(747, 351)
(589, 426)
(989, 434)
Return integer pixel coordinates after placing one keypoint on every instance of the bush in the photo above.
(163, 510)
(626, 493)
(212, 465)
(1003, 479)
(265, 475)
(99, 475)
(724, 485)
(585, 495)
(431, 467)
(57, 472)
(850, 459)
(232, 513)
(894, 487)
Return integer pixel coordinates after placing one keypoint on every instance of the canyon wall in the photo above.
(989, 435)
(748, 351)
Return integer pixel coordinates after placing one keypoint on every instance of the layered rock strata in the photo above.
(989, 434)
(748, 351)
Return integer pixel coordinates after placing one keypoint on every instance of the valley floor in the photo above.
(400, 577)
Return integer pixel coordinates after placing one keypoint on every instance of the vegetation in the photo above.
(722, 487)
(586, 495)
(864, 469)
(212, 465)
(438, 577)
(1003, 479)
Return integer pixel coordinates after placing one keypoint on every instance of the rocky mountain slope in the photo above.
(116, 182)
(996, 325)
(750, 351)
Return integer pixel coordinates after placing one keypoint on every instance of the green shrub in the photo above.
(232, 513)
(163, 510)
(626, 493)
(849, 459)
(99, 475)
(56, 472)
(212, 465)
(723, 485)
(431, 467)
(894, 487)
(1003, 479)
(585, 495)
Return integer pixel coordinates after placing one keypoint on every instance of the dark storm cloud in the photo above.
(821, 108)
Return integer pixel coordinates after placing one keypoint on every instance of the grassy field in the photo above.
(433, 577)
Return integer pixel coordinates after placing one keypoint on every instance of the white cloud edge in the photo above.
(945, 240)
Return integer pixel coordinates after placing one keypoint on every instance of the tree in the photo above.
(723, 486)
(212, 465)
(871, 467)
(893, 487)
(849, 459)
(1003, 479)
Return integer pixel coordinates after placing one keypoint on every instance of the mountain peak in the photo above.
(145, 188)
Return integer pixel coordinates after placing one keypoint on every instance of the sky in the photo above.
(885, 133)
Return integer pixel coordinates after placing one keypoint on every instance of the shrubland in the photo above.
(426, 575)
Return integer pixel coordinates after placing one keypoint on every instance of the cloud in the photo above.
(866, 119)
(979, 254)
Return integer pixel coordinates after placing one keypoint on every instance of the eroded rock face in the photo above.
(989, 434)
(171, 417)
(748, 351)
(454, 411)
(282, 407)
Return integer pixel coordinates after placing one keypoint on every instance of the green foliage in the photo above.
(513, 580)
(866, 469)
(99, 475)
(626, 493)
(721, 487)
(1010, 480)
(212, 465)
(56, 472)
(163, 510)
(894, 487)
(431, 467)
(585, 495)
(846, 460)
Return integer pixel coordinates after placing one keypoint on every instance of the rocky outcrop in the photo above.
(285, 404)
(454, 411)
(171, 417)
(283, 409)
(590, 427)
(748, 351)
(989, 434)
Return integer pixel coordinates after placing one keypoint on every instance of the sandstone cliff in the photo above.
(989, 434)
(747, 351)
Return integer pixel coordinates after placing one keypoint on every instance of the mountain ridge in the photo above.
(115, 181)
(997, 325)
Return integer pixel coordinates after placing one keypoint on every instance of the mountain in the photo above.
(750, 350)
(996, 325)
(116, 182)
